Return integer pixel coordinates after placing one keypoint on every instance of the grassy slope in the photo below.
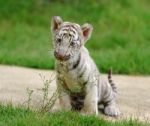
(10, 116)
(120, 39)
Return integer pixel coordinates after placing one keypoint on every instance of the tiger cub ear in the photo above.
(87, 31)
(55, 23)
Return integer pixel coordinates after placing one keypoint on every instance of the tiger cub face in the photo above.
(68, 38)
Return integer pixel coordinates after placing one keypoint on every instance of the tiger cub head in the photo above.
(68, 38)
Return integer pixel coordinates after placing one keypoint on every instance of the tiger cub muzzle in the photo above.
(61, 57)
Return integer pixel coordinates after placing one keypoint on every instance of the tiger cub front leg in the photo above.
(64, 98)
(91, 99)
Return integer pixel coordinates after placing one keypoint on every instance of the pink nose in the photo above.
(59, 56)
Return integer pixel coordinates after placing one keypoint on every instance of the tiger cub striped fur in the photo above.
(80, 83)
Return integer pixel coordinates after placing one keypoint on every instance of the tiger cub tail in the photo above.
(111, 81)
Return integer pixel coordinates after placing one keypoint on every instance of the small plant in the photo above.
(47, 102)
(50, 103)
(29, 93)
(45, 89)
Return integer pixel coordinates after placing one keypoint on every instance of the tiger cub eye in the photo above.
(59, 40)
(72, 43)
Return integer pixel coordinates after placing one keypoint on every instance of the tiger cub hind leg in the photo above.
(111, 109)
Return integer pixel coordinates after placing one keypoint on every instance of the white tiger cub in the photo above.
(80, 83)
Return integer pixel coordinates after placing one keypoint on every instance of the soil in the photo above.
(133, 91)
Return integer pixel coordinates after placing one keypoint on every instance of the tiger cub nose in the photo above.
(59, 56)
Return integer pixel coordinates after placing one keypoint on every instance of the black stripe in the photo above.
(76, 63)
(78, 38)
(106, 103)
(110, 81)
(64, 29)
(73, 31)
(80, 76)
(69, 29)
(84, 83)
(109, 77)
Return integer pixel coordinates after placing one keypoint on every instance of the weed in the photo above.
(29, 93)
(47, 102)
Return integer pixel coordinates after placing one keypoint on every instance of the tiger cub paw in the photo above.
(112, 111)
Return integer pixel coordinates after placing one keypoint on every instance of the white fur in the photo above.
(96, 89)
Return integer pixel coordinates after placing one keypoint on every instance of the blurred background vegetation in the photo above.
(121, 36)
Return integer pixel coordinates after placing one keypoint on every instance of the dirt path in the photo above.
(133, 98)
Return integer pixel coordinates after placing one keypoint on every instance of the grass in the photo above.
(18, 116)
(120, 38)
